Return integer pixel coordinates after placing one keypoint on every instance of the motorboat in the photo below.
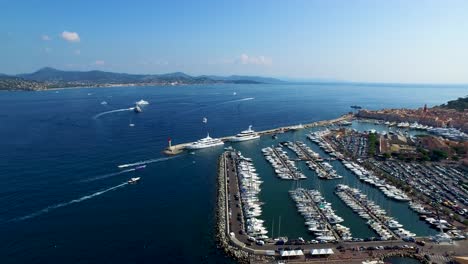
(134, 180)
(137, 109)
(245, 135)
(206, 142)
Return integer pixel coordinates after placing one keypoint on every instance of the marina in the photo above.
(247, 239)
(284, 167)
(319, 216)
(323, 169)
(365, 194)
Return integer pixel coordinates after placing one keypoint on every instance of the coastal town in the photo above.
(408, 162)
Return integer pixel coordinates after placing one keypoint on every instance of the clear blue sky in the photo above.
(383, 41)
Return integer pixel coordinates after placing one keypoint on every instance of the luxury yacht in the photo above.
(297, 127)
(205, 143)
(245, 135)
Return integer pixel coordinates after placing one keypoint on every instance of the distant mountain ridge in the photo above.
(53, 78)
(243, 77)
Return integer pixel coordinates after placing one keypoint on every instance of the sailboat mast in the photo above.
(272, 228)
(279, 226)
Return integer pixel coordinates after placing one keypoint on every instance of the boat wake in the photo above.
(79, 200)
(146, 162)
(108, 175)
(113, 111)
(239, 100)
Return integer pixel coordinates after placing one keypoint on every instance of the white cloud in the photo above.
(70, 36)
(77, 52)
(45, 37)
(255, 60)
(99, 62)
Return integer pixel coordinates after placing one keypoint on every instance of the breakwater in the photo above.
(179, 148)
(222, 226)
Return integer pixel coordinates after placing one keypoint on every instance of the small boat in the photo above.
(131, 125)
(104, 103)
(140, 167)
(134, 180)
(274, 136)
(137, 109)
(142, 102)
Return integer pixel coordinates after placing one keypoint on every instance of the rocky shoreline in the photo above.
(222, 238)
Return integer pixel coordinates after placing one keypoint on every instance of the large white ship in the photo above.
(245, 135)
(205, 143)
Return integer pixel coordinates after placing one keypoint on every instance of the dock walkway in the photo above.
(370, 213)
(324, 218)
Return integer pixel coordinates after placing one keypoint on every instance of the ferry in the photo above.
(205, 143)
(134, 180)
(245, 135)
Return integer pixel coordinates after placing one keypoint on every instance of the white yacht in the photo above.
(205, 143)
(245, 135)
(297, 127)
(134, 180)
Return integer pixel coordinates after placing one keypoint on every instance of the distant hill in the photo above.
(459, 104)
(53, 78)
(255, 79)
(53, 75)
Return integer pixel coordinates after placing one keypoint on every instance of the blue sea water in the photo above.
(63, 198)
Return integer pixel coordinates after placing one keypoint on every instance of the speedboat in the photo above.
(134, 180)
(245, 135)
(140, 167)
(205, 143)
(137, 109)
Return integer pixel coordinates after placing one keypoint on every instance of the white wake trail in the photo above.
(113, 111)
(79, 200)
(107, 175)
(239, 100)
(146, 162)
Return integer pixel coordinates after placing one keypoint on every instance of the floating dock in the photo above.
(179, 148)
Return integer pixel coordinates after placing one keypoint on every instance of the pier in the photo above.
(370, 212)
(274, 154)
(311, 203)
(179, 148)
